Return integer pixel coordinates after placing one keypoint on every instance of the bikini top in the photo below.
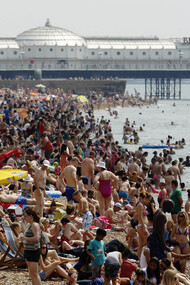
(186, 232)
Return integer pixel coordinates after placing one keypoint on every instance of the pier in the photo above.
(165, 84)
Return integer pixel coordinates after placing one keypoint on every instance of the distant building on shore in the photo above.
(53, 48)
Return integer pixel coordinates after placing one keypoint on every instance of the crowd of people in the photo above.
(105, 189)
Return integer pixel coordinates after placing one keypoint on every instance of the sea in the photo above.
(156, 122)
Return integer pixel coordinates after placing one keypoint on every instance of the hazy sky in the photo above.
(129, 18)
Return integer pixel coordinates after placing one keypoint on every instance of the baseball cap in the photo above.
(118, 205)
(46, 163)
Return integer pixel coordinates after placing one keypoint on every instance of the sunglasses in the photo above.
(43, 247)
(181, 216)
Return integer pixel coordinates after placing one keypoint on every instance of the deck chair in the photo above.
(18, 259)
(6, 252)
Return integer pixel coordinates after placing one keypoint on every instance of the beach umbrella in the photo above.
(82, 98)
(40, 86)
(9, 175)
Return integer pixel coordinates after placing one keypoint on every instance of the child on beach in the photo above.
(83, 209)
(140, 278)
(97, 249)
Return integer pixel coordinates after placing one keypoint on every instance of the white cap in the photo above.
(101, 164)
(118, 205)
(46, 163)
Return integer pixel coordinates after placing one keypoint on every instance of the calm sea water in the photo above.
(157, 121)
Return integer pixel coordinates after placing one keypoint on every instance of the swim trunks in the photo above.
(69, 194)
(64, 238)
(21, 200)
(87, 180)
(87, 218)
(123, 194)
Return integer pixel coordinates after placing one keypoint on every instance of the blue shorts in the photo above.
(69, 194)
(87, 218)
(21, 200)
(123, 194)
(42, 275)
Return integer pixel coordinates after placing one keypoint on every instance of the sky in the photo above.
(126, 18)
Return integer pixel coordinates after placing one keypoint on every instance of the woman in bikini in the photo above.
(168, 180)
(102, 182)
(50, 262)
(181, 232)
(141, 216)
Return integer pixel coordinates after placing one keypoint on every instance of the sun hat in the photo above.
(101, 164)
(28, 178)
(46, 163)
(118, 205)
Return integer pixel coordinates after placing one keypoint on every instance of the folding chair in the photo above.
(6, 253)
(18, 259)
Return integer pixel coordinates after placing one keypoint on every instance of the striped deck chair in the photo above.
(6, 252)
(19, 256)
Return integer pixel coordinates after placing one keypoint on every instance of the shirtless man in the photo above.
(121, 165)
(175, 170)
(138, 153)
(87, 171)
(133, 167)
(157, 173)
(83, 210)
(124, 188)
(40, 177)
(71, 235)
(70, 175)
(93, 201)
(70, 146)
